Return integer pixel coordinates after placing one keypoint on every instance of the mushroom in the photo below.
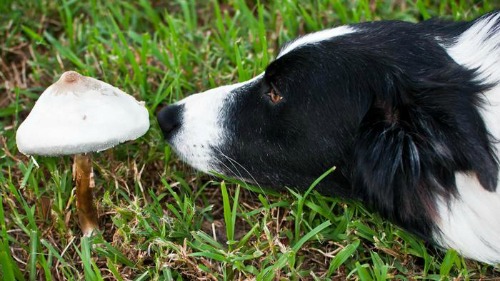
(79, 115)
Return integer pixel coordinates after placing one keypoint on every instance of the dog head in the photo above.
(285, 127)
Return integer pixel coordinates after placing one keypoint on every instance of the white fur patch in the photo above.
(200, 127)
(478, 47)
(470, 223)
(316, 37)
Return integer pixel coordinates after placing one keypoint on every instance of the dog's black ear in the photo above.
(390, 168)
(415, 136)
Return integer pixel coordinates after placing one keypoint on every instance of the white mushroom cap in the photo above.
(80, 114)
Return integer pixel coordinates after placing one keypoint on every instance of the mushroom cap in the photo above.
(80, 114)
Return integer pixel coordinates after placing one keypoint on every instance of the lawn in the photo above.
(159, 219)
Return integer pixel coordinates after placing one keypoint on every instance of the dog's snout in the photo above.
(169, 119)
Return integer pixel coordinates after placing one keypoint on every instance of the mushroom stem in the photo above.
(82, 174)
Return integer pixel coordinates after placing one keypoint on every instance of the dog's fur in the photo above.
(408, 113)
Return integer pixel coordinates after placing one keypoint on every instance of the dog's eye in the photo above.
(274, 96)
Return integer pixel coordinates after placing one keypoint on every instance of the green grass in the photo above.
(159, 219)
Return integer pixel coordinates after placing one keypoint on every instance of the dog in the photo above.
(408, 113)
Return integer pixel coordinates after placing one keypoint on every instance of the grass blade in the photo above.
(310, 234)
(342, 257)
(6, 266)
(33, 254)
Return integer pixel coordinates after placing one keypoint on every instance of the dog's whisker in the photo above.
(233, 162)
(235, 171)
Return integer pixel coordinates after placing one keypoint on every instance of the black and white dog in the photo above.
(408, 113)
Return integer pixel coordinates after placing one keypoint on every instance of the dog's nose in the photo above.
(169, 119)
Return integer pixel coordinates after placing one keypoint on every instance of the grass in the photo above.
(159, 219)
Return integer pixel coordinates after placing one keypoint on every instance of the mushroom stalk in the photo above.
(82, 175)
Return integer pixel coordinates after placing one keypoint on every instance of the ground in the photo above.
(159, 219)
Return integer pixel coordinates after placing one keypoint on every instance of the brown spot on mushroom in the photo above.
(70, 76)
